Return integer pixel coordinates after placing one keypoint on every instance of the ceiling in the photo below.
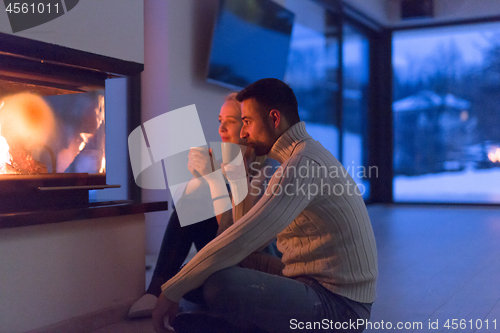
(388, 12)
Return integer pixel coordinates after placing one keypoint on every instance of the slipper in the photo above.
(143, 307)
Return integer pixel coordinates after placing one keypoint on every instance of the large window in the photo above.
(333, 104)
(356, 73)
(447, 114)
(312, 71)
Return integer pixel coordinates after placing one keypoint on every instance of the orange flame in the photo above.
(103, 165)
(99, 111)
(494, 156)
(85, 138)
(28, 119)
(5, 157)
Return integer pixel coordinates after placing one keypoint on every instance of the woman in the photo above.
(177, 240)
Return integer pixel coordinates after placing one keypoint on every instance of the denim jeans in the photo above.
(175, 247)
(252, 300)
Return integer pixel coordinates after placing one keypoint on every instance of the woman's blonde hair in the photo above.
(231, 97)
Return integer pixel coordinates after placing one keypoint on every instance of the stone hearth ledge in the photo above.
(90, 211)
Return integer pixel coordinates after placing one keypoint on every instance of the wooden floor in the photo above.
(436, 263)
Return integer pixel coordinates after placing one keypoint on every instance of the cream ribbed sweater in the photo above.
(321, 232)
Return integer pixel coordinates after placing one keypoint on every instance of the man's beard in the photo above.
(263, 147)
(260, 150)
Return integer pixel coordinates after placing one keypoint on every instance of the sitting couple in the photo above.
(328, 270)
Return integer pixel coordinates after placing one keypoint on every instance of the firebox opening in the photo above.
(50, 130)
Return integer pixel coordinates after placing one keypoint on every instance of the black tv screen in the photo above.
(250, 41)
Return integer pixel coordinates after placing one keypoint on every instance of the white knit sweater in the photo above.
(322, 226)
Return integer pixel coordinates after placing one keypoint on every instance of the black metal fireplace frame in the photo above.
(53, 56)
(28, 61)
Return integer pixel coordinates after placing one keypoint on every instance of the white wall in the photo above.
(388, 12)
(177, 37)
(53, 272)
(113, 28)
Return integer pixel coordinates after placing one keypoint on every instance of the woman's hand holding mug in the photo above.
(200, 161)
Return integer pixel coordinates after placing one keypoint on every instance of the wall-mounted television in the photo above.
(250, 41)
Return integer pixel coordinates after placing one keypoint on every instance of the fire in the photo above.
(5, 157)
(99, 111)
(98, 144)
(85, 137)
(103, 165)
(28, 120)
(29, 126)
(494, 156)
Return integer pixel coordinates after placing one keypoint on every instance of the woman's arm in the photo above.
(200, 164)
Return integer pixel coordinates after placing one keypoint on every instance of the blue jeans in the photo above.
(252, 300)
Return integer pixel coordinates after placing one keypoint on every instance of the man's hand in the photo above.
(164, 309)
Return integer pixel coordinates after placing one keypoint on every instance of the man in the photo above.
(313, 207)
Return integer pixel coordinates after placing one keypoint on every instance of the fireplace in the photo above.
(52, 123)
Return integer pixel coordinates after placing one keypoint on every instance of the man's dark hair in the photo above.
(273, 94)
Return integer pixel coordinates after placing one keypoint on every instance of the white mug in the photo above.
(229, 151)
(206, 151)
